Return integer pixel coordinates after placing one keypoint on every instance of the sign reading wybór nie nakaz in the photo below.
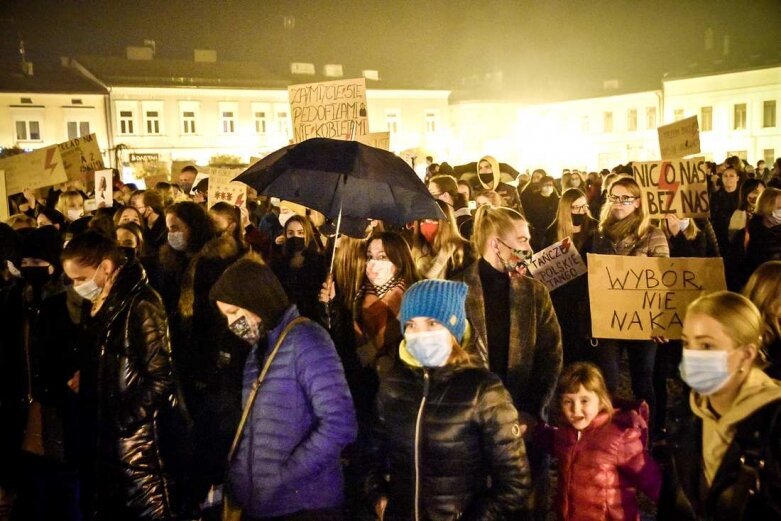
(636, 298)
(332, 109)
(557, 264)
(677, 186)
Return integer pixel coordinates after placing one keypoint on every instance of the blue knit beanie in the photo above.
(442, 300)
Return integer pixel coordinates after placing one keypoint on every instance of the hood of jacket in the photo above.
(717, 432)
(494, 170)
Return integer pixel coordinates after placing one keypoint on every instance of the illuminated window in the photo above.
(228, 122)
(28, 131)
(677, 114)
(188, 122)
(769, 155)
(152, 118)
(126, 122)
(631, 120)
(607, 122)
(392, 121)
(706, 119)
(650, 117)
(739, 117)
(260, 122)
(431, 122)
(78, 129)
(283, 124)
(769, 114)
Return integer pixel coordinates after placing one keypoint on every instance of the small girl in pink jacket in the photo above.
(601, 452)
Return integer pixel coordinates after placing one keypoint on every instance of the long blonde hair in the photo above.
(764, 290)
(633, 188)
(448, 238)
(349, 268)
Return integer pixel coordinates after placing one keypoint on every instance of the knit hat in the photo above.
(442, 300)
(253, 286)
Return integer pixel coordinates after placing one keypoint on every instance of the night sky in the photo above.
(439, 42)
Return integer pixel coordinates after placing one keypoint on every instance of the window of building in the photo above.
(650, 117)
(77, 129)
(431, 122)
(769, 114)
(607, 122)
(706, 119)
(631, 120)
(188, 122)
(677, 114)
(126, 122)
(769, 155)
(228, 121)
(283, 124)
(392, 121)
(585, 126)
(152, 118)
(28, 131)
(260, 122)
(739, 117)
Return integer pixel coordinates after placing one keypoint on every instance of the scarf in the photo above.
(617, 230)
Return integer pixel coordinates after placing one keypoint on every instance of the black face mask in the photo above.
(578, 218)
(295, 244)
(36, 275)
(487, 179)
(129, 252)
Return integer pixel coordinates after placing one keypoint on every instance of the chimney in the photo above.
(371, 74)
(136, 53)
(205, 55)
(27, 68)
(333, 71)
(726, 45)
(302, 68)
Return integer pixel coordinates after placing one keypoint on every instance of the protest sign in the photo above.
(104, 188)
(198, 178)
(36, 169)
(333, 109)
(222, 187)
(376, 140)
(81, 157)
(557, 264)
(639, 297)
(679, 139)
(677, 186)
(4, 212)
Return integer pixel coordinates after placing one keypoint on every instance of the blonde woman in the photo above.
(724, 464)
(438, 249)
(764, 290)
(71, 205)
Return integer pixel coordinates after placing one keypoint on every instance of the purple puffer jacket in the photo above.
(288, 458)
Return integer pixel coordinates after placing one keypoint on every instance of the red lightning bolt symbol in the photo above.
(49, 164)
(664, 185)
(240, 200)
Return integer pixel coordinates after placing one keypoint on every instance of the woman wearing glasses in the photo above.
(624, 229)
(573, 220)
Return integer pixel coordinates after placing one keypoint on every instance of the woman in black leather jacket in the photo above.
(126, 387)
(446, 433)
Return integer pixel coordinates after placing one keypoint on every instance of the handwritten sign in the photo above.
(36, 169)
(376, 140)
(222, 187)
(678, 186)
(557, 264)
(679, 139)
(81, 157)
(333, 109)
(104, 188)
(639, 297)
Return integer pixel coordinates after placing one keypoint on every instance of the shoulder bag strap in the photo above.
(256, 385)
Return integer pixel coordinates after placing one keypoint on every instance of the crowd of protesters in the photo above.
(163, 360)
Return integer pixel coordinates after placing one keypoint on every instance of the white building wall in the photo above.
(722, 92)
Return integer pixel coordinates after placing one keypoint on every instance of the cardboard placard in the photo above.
(4, 211)
(104, 188)
(557, 264)
(679, 139)
(81, 157)
(222, 187)
(678, 186)
(36, 169)
(333, 109)
(198, 178)
(636, 298)
(376, 140)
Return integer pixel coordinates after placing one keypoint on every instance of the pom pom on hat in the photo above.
(442, 300)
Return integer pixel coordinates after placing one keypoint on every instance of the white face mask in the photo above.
(379, 272)
(430, 348)
(89, 290)
(177, 241)
(74, 214)
(684, 223)
(705, 372)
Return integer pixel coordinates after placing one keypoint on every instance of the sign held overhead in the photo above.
(679, 139)
(332, 109)
(678, 186)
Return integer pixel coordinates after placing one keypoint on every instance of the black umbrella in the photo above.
(344, 178)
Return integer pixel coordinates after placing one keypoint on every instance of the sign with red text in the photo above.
(679, 139)
(36, 169)
(557, 264)
(677, 186)
(636, 298)
(332, 109)
(81, 157)
(222, 187)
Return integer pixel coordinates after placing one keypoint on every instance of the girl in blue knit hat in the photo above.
(446, 432)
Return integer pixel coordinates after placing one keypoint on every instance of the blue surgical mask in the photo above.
(430, 348)
(177, 241)
(705, 372)
(89, 290)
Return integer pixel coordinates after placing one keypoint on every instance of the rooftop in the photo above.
(45, 78)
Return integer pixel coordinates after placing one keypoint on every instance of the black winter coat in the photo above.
(685, 496)
(440, 433)
(130, 402)
(764, 244)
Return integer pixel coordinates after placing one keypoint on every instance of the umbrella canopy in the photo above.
(333, 176)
